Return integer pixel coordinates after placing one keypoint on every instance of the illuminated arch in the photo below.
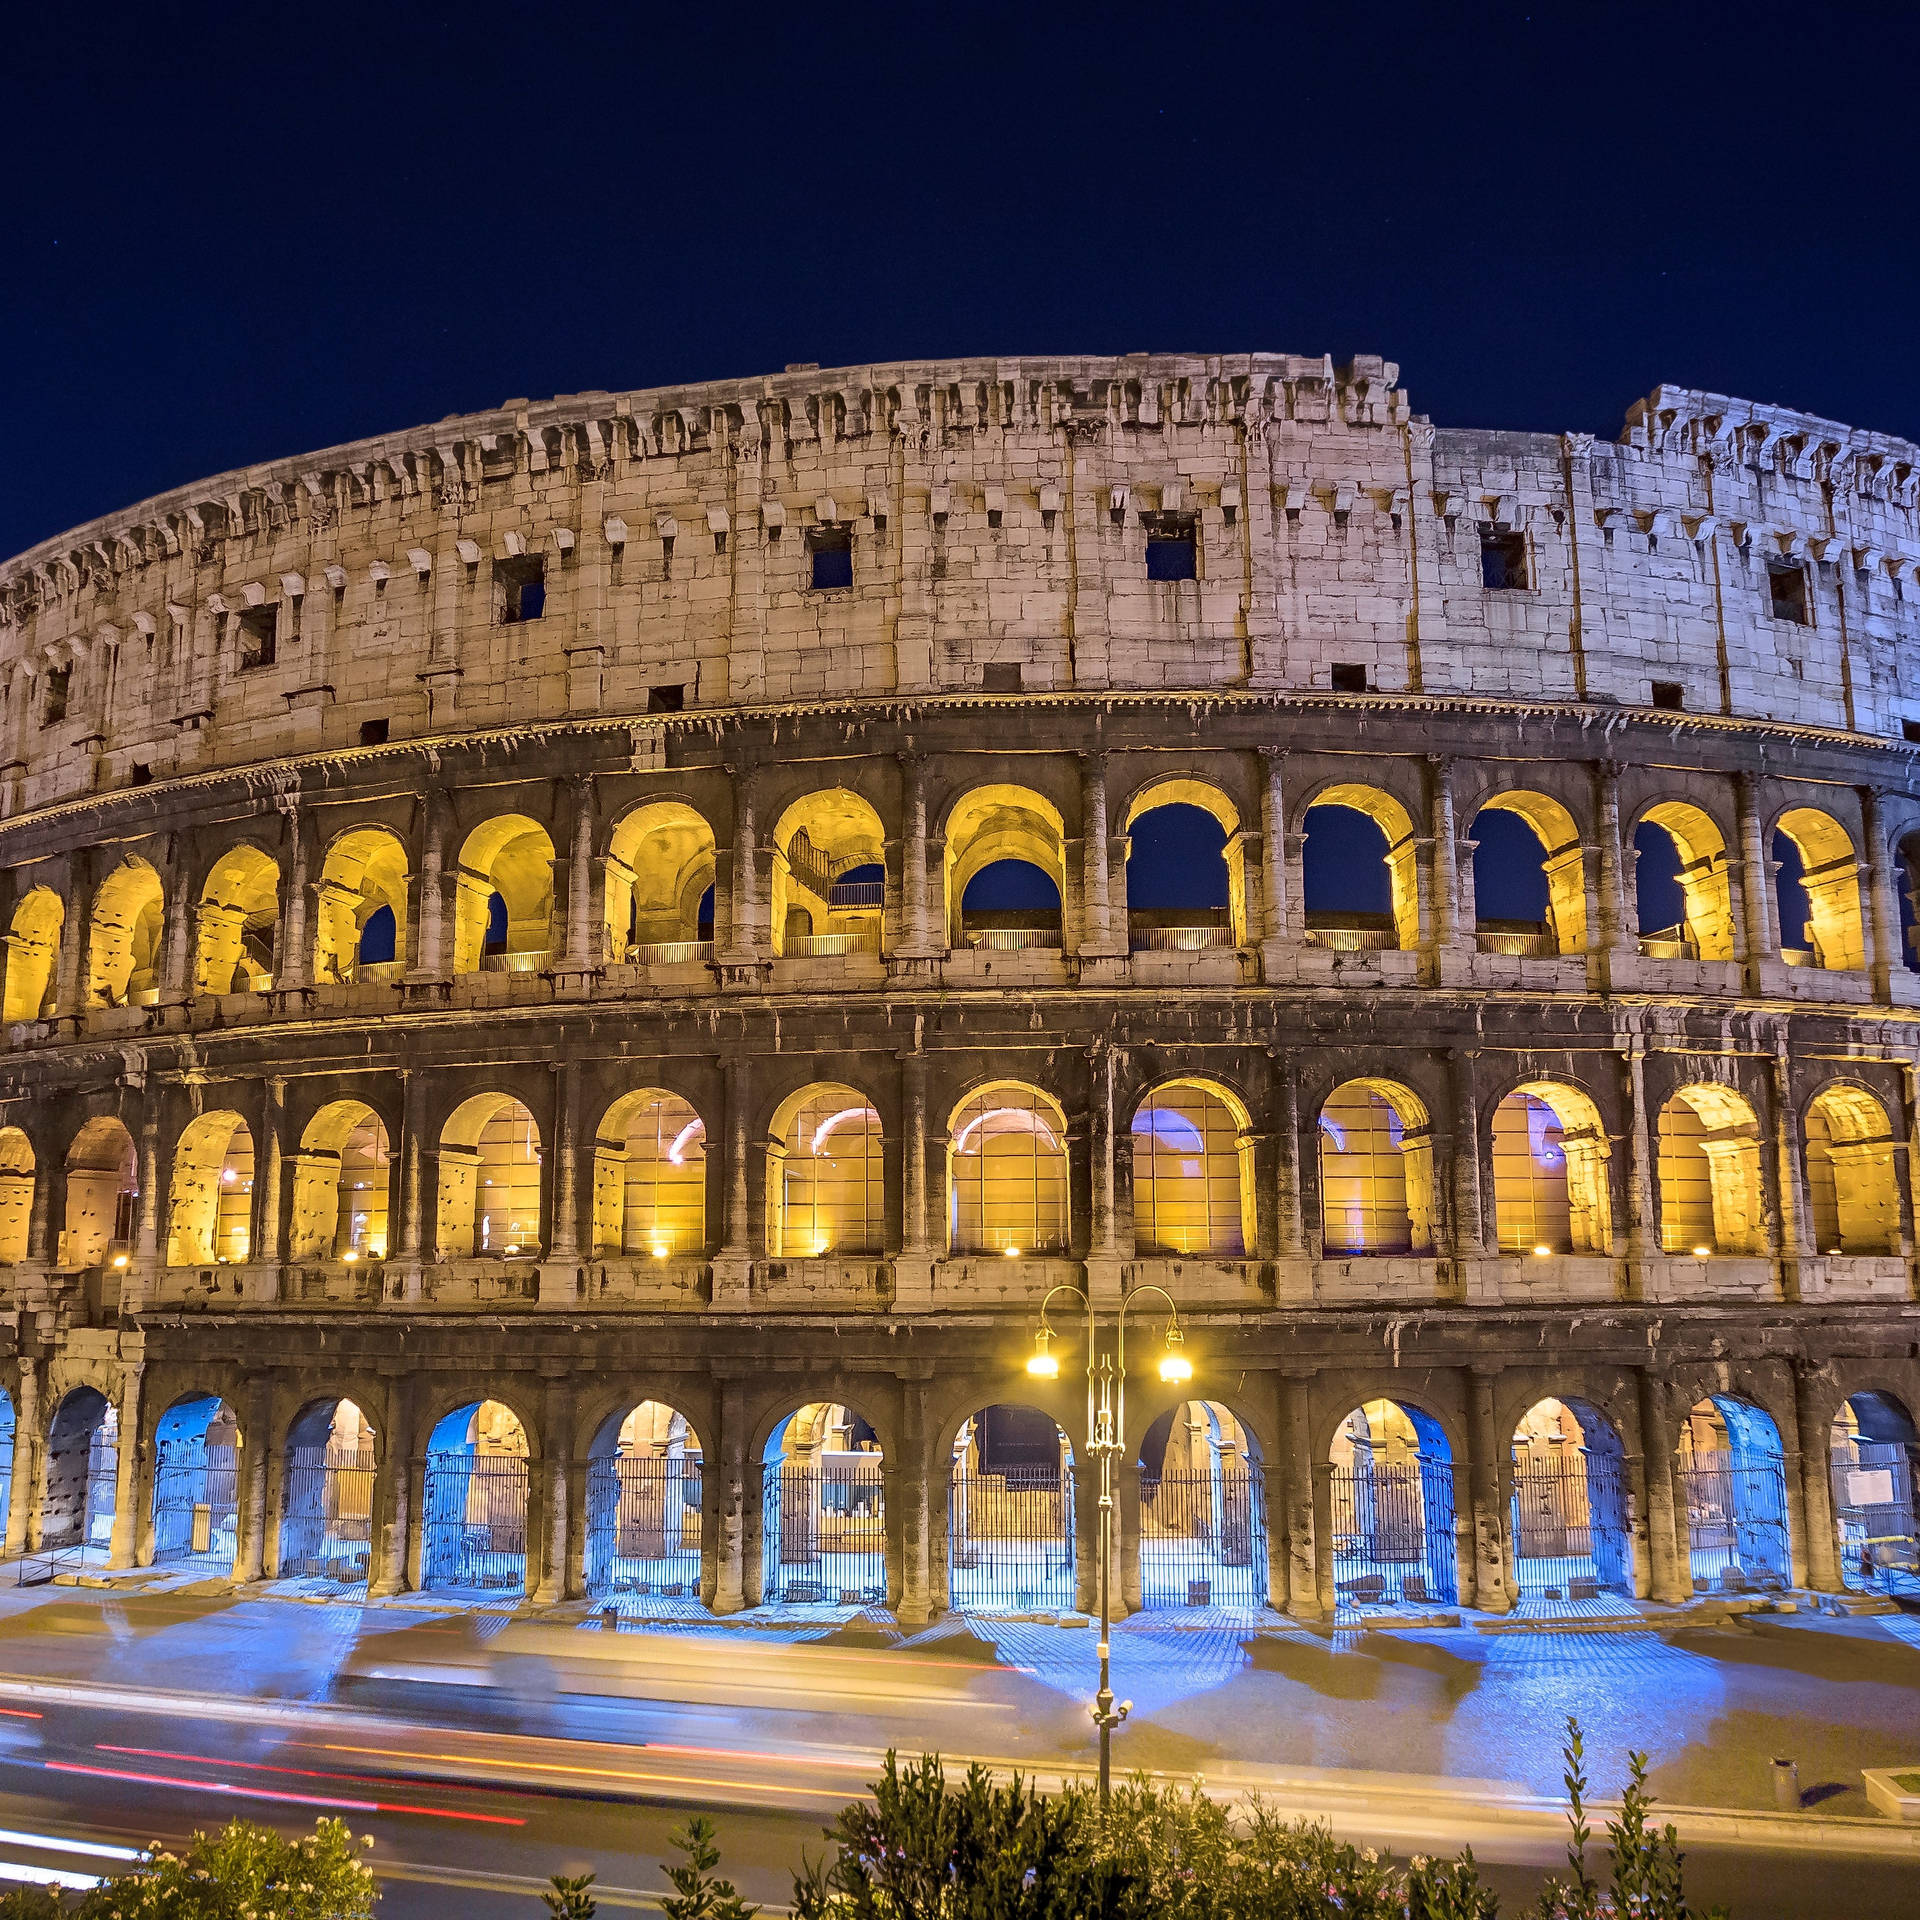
(1186, 791)
(239, 917)
(210, 1213)
(824, 1515)
(1192, 1171)
(103, 1184)
(1392, 1509)
(1007, 1172)
(1873, 1451)
(1853, 1191)
(510, 856)
(1550, 1171)
(1732, 1472)
(473, 1506)
(196, 1484)
(1563, 862)
(1376, 1170)
(650, 1177)
(123, 940)
(33, 943)
(818, 840)
(1569, 1503)
(826, 1188)
(1203, 1529)
(1706, 886)
(1831, 876)
(489, 1194)
(1709, 1174)
(340, 1185)
(1010, 1531)
(326, 1507)
(77, 1502)
(660, 863)
(995, 823)
(16, 1194)
(645, 1528)
(1399, 858)
(362, 894)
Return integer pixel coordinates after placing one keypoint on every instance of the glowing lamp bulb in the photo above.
(1543, 1251)
(1043, 1366)
(1013, 1253)
(1175, 1368)
(1703, 1253)
(659, 1253)
(349, 1256)
(119, 1259)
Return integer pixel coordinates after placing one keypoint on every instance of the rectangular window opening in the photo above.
(139, 774)
(1173, 546)
(667, 699)
(1910, 730)
(373, 733)
(519, 589)
(1001, 677)
(59, 679)
(1787, 593)
(259, 635)
(1503, 560)
(1669, 694)
(830, 554)
(1349, 677)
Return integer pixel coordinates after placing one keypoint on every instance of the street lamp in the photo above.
(1106, 1429)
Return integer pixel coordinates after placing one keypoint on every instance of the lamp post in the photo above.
(1106, 1431)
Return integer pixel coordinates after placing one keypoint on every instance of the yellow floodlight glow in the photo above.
(659, 1252)
(1543, 1251)
(1012, 1253)
(119, 1259)
(1175, 1368)
(1703, 1253)
(1041, 1363)
(349, 1256)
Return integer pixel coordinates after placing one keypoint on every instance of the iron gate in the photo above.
(76, 1527)
(474, 1532)
(1569, 1527)
(1874, 1517)
(1393, 1534)
(1010, 1539)
(824, 1533)
(196, 1504)
(326, 1525)
(1203, 1538)
(1736, 1521)
(643, 1527)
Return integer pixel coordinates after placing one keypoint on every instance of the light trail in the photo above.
(94, 1849)
(263, 1766)
(835, 1794)
(49, 1877)
(227, 1789)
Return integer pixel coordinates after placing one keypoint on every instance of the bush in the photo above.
(243, 1870)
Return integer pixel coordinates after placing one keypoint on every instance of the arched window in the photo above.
(360, 907)
(340, 1186)
(473, 1504)
(16, 1194)
(1357, 871)
(1681, 870)
(239, 918)
(103, 1185)
(1010, 840)
(210, 1217)
(829, 876)
(1186, 870)
(508, 859)
(1007, 1162)
(650, 1177)
(123, 946)
(1709, 1174)
(490, 1180)
(326, 1513)
(33, 943)
(660, 865)
(1529, 877)
(1550, 1187)
(1392, 1510)
(644, 1487)
(1852, 1189)
(1376, 1170)
(826, 1191)
(1187, 1185)
(1818, 892)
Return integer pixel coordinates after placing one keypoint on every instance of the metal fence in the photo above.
(824, 1533)
(1393, 1535)
(1569, 1528)
(1010, 1539)
(1874, 1518)
(196, 1505)
(1736, 1521)
(326, 1521)
(76, 1528)
(474, 1531)
(1179, 939)
(1203, 1538)
(643, 1527)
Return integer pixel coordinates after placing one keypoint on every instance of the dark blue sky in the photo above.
(241, 233)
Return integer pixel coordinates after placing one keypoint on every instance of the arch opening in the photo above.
(33, 946)
(473, 1531)
(1683, 885)
(823, 1518)
(503, 903)
(1733, 1471)
(1203, 1511)
(1569, 1505)
(1192, 1172)
(123, 940)
(1853, 1187)
(16, 1194)
(360, 909)
(239, 922)
(650, 1178)
(1007, 1172)
(1186, 870)
(489, 1195)
(196, 1485)
(644, 1511)
(1708, 1173)
(83, 1452)
(1529, 877)
(659, 869)
(1817, 890)
(1376, 1170)
(340, 1185)
(829, 876)
(1010, 1537)
(103, 1194)
(210, 1213)
(1874, 1450)
(826, 1175)
(326, 1514)
(1012, 843)
(1550, 1156)
(1393, 1511)
(1358, 874)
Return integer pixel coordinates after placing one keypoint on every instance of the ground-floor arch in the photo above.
(824, 1518)
(473, 1503)
(1203, 1518)
(645, 1479)
(1874, 1449)
(83, 1452)
(1010, 1534)
(1393, 1509)
(326, 1513)
(1569, 1505)
(1733, 1473)
(196, 1485)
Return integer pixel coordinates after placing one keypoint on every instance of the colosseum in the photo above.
(576, 977)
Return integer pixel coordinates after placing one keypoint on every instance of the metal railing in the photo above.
(668, 953)
(1569, 1528)
(857, 893)
(371, 973)
(1010, 1539)
(326, 1522)
(1516, 945)
(824, 1534)
(474, 1524)
(532, 962)
(1203, 1537)
(1180, 939)
(1013, 939)
(643, 1527)
(196, 1505)
(1393, 1535)
(816, 946)
(76, 1521)
(1873, 1516)
(1670, 943)
(1355, 939)
(1736, 1521)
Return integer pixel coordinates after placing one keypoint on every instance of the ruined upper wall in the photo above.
(997, 512)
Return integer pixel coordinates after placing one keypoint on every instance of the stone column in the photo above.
(1277, 929)
(1884, 955)
(1297, 1504)
(133, 1476)
(1643, 1238)
(751, 932)
(1616, 929)
(265, 1226)
(46, 1172)
(584, 913)
(1670, 1578)
(1096, 929)
(1756, 879)
(28, 1444)
(428, 942)
(1103, 1246)
(915, 1496)
(1796, 1222)
(1816, 1485)
(257, 1450)
(1289, 1198)
(389, 1572)
(733, 1261)
(556, 1457)
(1491, 1593)
(178, 924)
(76, 932)
(913, 1270)
(727, 1506)
(914, 940)
(291, 958)
(1452, 926)
(1469, 1220)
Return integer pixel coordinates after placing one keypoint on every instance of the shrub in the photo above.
(698, 1892)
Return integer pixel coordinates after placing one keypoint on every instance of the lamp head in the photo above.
(1040, 1362)
(1175, 1368)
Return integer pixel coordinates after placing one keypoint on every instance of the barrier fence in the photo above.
(1736, 1521)
(474, 1530)
(1393, 1535)
(196, 1505)
(1010, 1539)
(643, 1527)
(1203, 1537)
(824, 1533)
(326, 1518)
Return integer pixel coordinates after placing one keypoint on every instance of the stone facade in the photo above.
(516, 654)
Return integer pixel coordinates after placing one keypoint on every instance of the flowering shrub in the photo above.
(243, 1872)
